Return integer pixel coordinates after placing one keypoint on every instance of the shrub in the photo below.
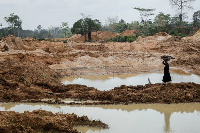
(64, 41)
(41, 39)
(122, 39)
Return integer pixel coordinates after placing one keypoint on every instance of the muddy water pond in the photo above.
(107, 82)
(138, 118)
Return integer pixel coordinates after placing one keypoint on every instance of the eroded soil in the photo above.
(43, 121)
(32, 70)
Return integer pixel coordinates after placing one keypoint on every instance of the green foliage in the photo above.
(85, 26)
(113, 25)
(65, 41)
(131, 38)
(122, 39)
(14, 22)
(121, 26)
(162, 23)
(196, 19)
(162, 20)
(181, 5)
(65, 29)
(41, 39)
(144, 13)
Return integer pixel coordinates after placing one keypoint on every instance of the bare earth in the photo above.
(31, 67)
(32, 70)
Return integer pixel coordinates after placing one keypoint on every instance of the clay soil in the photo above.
(43, 121)
(32, 70)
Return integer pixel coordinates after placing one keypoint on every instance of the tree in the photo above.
(14, 22)
(65, 29)
(121, 26)
(144, 13)
(85, 26)
(162, 20)
(54, 32)
(181, 5)
(111, 24)
(196, 19)
(39, 28)
(0, 32)
(134, 25)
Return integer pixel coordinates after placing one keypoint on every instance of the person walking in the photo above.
(166, 77)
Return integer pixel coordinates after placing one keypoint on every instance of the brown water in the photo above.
(107, 82)
(137, 118)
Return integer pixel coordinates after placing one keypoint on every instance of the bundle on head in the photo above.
(167, 57)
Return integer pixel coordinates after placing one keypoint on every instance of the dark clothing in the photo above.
(166, 77)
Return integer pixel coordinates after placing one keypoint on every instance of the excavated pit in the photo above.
(31, 71)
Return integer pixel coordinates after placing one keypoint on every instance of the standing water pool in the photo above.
(107, 82)
(134, 118)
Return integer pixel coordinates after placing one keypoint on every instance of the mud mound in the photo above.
(195, 37)
(90, 47)
(20, 81)
(106, 35)
(158, 37)
(158, 93)
(76, 38)
(43, 121)
(14, 43)
(128, 32)
(29, 44)
(29, 39)
(96, 36)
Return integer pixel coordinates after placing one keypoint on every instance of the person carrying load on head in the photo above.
(167, 76)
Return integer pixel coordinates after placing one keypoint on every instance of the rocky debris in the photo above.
(44, 121)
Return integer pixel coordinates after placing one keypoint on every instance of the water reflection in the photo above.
(107, 82)
(142, 118)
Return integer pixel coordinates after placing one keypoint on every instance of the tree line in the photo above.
(173, 25)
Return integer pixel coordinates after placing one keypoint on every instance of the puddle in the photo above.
(138, 118)
(107, 82)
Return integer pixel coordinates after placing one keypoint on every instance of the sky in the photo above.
(49, 13)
